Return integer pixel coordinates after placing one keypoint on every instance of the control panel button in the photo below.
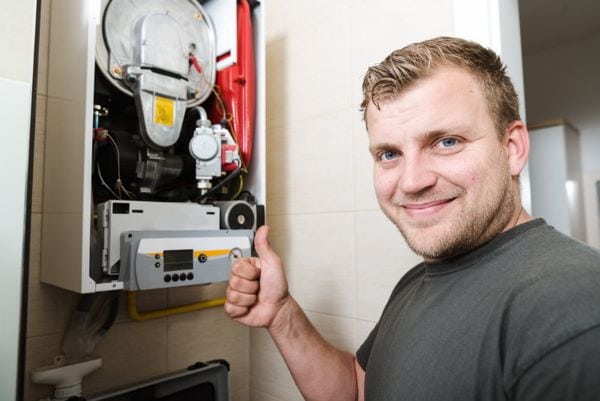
(190, 276)
(157, 256)
(235, 254)
(202, 258)
(175, 277)
(167, 278)
(157, 264)
(182, 277)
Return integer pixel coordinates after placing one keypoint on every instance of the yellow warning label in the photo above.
(164, 111)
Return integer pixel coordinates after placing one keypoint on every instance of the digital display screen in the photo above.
(180, 259)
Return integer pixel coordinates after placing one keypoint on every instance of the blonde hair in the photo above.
(403, 67)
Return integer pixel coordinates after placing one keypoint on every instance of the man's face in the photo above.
(441, 170)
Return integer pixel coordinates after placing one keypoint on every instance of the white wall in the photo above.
(564, 82)
(16, 74)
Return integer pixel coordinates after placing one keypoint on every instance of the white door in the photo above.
(17, 41)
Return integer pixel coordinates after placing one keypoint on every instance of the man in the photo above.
(503, 306)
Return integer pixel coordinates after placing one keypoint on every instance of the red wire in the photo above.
(195, 63)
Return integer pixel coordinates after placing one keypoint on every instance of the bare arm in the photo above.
(321, 371)
(258, 296)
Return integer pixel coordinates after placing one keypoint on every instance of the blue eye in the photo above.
(388, 155)
(448, 142)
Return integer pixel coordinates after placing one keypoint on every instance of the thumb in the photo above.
(262, 246)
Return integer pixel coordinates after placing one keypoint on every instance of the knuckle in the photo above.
(234, 310)
(229, 309)
(234, 297)
(252, 298)
(233, 280)
(236, 282)
(240, 265)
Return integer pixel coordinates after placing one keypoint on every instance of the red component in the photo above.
(196, 64)
(238, 84)
(232, 149)
(100, 134)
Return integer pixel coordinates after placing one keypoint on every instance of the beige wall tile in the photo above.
(49, 309)
(38, 154)
(338, 331)
(286, 18)
(379, 27)
(35, 244)
(146, 301)
(363, 329)
(310, 166)
(276, 65)
(318, 253)
(256, 395)
(268, 372)
(42, 51)
(311, 73)
(364, 192)
(40, 352)
(382, 257)
(131, 352)
(207, 335)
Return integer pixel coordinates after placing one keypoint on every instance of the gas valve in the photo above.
(214, 150)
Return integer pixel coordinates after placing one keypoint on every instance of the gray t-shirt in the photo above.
(516, 319)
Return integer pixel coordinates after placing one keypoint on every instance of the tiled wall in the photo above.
(342, 256)
(132, 351)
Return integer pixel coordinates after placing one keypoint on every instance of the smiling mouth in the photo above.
(426, 209)
(427, 205)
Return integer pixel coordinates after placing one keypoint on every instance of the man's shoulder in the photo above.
(544, 250)
(556, 278)
(556, 298)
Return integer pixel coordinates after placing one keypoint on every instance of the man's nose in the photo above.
(417, 175)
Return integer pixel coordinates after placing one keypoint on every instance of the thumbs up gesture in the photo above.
(257, 287)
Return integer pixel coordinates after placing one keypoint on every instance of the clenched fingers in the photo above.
(244, 277)
(246, 268)
(243, 287)
(239, 298)
(235, 311)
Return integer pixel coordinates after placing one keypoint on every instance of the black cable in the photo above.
(88, 301)
(247, 196)
(225, 180)
(112, 312)
(253, 4)
(79, 339)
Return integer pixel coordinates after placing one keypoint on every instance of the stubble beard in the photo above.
(469, 229)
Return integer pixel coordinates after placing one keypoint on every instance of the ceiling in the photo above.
(550, 23)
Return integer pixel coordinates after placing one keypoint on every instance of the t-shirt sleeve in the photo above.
(570, 372)
(363, 353)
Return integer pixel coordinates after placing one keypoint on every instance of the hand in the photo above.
(257, 287)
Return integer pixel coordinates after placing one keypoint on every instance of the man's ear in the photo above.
(516, 142)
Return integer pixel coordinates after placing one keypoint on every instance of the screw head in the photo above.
(116, 71)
